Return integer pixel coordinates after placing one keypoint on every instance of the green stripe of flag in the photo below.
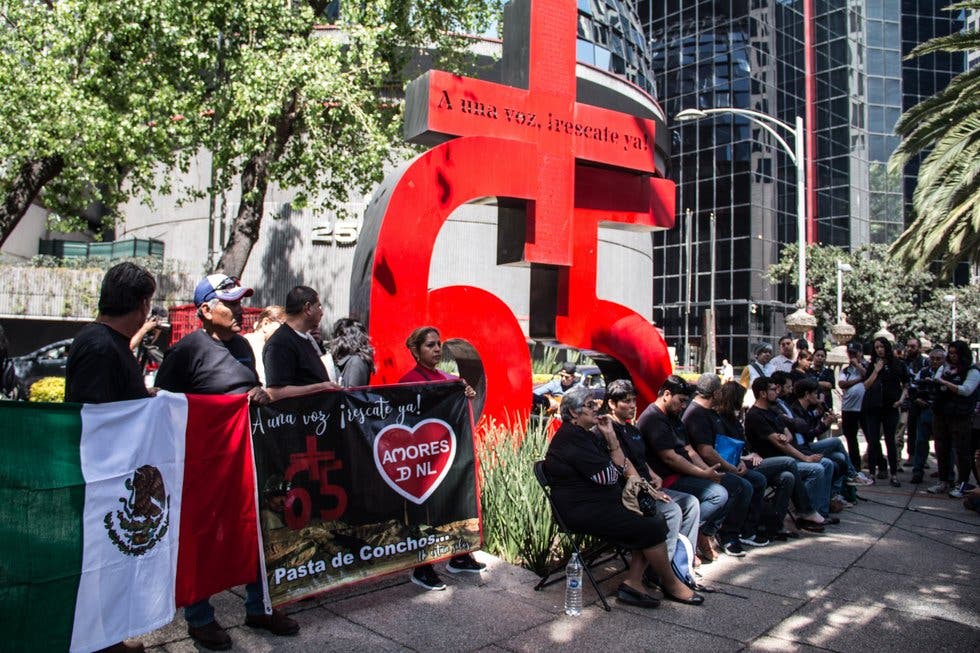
(42, 494)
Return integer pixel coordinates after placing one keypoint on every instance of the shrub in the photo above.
(50, 389)
(517, 521)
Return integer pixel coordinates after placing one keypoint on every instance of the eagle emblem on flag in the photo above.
(144, 517)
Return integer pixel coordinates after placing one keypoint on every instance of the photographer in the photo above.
(922, 394)
(952, 412)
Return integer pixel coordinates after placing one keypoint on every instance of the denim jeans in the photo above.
(834, 449)
(745, 495)
(683, 515)
(202, 613)
(713, 498)
(923, 433)
(780, 473)
(817, 482)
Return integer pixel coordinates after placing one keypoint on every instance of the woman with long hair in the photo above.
(352, 352)
(884, 391)
(951, 417)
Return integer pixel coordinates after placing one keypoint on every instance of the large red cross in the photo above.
(574, 165)
(545, 114)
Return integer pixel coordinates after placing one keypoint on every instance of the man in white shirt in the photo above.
(784, 361)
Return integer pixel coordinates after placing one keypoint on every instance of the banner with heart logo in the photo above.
(414, 461)
(359, 483)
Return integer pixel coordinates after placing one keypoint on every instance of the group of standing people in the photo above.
(928, 395)
(283, 357)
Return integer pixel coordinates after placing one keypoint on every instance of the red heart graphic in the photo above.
(414, 461)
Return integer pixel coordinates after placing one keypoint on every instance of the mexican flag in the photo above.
(113, 515)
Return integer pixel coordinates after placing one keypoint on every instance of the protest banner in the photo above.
(358, 483)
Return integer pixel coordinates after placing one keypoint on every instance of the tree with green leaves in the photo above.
(89, 93)
(946, 202)
(301, 104)
(879, 290)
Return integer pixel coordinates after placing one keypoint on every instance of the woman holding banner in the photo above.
(425, 345)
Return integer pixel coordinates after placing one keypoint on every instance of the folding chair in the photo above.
(594, 555)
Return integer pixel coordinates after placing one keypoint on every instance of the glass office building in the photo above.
(749, 54)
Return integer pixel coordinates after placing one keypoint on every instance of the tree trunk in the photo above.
(255, 183)
(31, 178)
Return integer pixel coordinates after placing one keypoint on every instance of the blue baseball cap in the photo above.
(220, 286)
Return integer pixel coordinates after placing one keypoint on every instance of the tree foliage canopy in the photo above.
(946, 201)
(879, 290)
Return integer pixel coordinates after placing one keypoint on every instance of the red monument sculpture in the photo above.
(558, 168)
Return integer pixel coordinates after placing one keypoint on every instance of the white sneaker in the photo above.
(860, 479)
(938, 488)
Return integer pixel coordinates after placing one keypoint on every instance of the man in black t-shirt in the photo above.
(291, 356)
(218, 360)
(768, 437)
(671, 456)
(745, 487)
(101, 367)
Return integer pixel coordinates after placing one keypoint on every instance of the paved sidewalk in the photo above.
(901, 572)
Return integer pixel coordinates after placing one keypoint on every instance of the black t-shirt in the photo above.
(661, 433)
(631, 440)
(574, 457)
(102, 368)
(201, 364)
(887, 388)
(290, 359)
(759, 424)
(702, 425)
(824, 375)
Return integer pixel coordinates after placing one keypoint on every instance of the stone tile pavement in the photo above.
(901, 572)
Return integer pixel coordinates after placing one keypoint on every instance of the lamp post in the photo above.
(800, 321)
(952, 300)
(841, 269)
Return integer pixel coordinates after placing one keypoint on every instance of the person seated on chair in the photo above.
(671, 455)
(548, 396)
(584, 474)
(745, 487)
(682, 511)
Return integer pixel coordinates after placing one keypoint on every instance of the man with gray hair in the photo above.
(746, 488)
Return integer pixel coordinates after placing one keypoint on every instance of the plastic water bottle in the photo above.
(573, 587)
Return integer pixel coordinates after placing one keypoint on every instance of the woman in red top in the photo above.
(426, 347)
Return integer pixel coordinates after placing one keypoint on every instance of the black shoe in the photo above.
(894, 482)
(756, 540)
(211, 636)
(916, 479)
(733, 548)
(650, 579)
(629, 596)
(783, 535)
(276, 623)
(809, 526)
(697, 599)
(465, 564)
(426, 576)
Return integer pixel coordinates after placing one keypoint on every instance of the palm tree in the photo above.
(946, 202)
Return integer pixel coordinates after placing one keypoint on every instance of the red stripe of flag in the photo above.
(218, 524)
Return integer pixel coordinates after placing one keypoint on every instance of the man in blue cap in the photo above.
(218, 360)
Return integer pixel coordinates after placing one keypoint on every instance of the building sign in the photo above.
(559, 167)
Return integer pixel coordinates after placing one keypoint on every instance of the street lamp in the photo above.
(842, 332)
(952, 300)
(841, 269)
(800, 321)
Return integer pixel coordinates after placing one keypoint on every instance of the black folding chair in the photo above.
(600, 553)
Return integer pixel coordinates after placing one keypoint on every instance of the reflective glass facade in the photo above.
(610, 37)
(749, 54)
